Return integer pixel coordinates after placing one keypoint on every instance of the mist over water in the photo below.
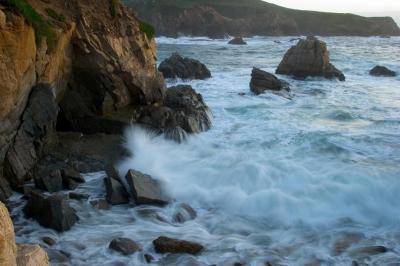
(275, 179)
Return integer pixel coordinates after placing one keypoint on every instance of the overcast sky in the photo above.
(351, 6)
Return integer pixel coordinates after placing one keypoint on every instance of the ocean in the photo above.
(310, 178)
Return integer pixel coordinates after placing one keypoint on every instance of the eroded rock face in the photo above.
(309, 57)
(34, 134)
(145, 189)
(32, 255)
(52, 211)
(382, 71)
(177, 66)
(8, 249)
(169, 245)
(262, 81)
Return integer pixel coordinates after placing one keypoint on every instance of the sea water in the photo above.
(276, 179)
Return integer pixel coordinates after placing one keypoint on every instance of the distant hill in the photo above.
(252, 17)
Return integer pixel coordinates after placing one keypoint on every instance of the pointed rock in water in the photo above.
(125, 246)
(145, 189)
(169, 245)
(262, 81)
(116, 192)
(183, 67)
(382, 71)
(309, 57)
(52, 212)
(237, 41)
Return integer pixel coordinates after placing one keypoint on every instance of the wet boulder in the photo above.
(115, 192)
(309, 58)
(169, 245)
(262, 81)
(237, 41)
(381, 71)
(184, 112)
(48, 178)
(50, 211)
(184, 212)
(124, 246)
(145, 189)
(78, 196)
(177, 66)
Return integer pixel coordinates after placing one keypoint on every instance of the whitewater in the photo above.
(276, 179)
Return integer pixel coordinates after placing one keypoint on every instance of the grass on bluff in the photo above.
(42, 28)
(147, 29)
(53, 14)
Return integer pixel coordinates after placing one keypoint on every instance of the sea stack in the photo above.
(309, 58)
(262, 81)
(381, 71)
(237, 41)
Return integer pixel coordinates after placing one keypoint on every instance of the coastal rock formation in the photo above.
(382, 71)
(177, 66)
(116, 192)
(309, 57)
(237, 41)
(218, 19)
(124, 246)
(52, 211)
(169, 245)
(145, 189)
(262, 81)
(32, 255)
(184, 111)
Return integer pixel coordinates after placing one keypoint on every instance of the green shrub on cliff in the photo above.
(53, 14)
(42, 28)
(147, 29)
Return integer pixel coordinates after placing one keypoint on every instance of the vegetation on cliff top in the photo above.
(147, 29)
(42, 28)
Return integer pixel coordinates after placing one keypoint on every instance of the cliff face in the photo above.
(217, 19)
(94, 60)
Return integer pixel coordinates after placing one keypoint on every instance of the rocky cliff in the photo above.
(218, 19)
(67, 65)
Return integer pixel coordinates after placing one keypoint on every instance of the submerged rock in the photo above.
(183, 67)
(237, 41)
(169, 245)
(145, 189)
(184, 212)
(100, 204)
(382, 71)
(52, 211)
(369, 251)
(116, 192)
(78, 196)
(309, 57)
(125, 246)
(262, 81)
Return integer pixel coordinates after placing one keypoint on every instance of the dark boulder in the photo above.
(382, 71)
(169, 245)
(49, 241)
(369, 251)
(145, 189)
(183, 67)
(52, 211)
(78, 196)
(35, 134)
(149, 258)
(262, 81)
(184, 212)
(116, 192)
(309, 57)
(5, 189)
(48, 177)
(124, 246)
(184, 112)
(237, 41)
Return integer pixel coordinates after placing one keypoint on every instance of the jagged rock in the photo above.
(309, 57)
(262, 81)
(382, 71)
(184, 212)
(145, 189)
(185, 68)
(116, 192)
(5, 189)
(169, 245)
(8, 249)
(35, 132)
(237, 41)
(149, 258)
(70, 173)
(48, 178)
(184, 112)
(32, 255)
(125, 246)
(52, 211)
(100, 204)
